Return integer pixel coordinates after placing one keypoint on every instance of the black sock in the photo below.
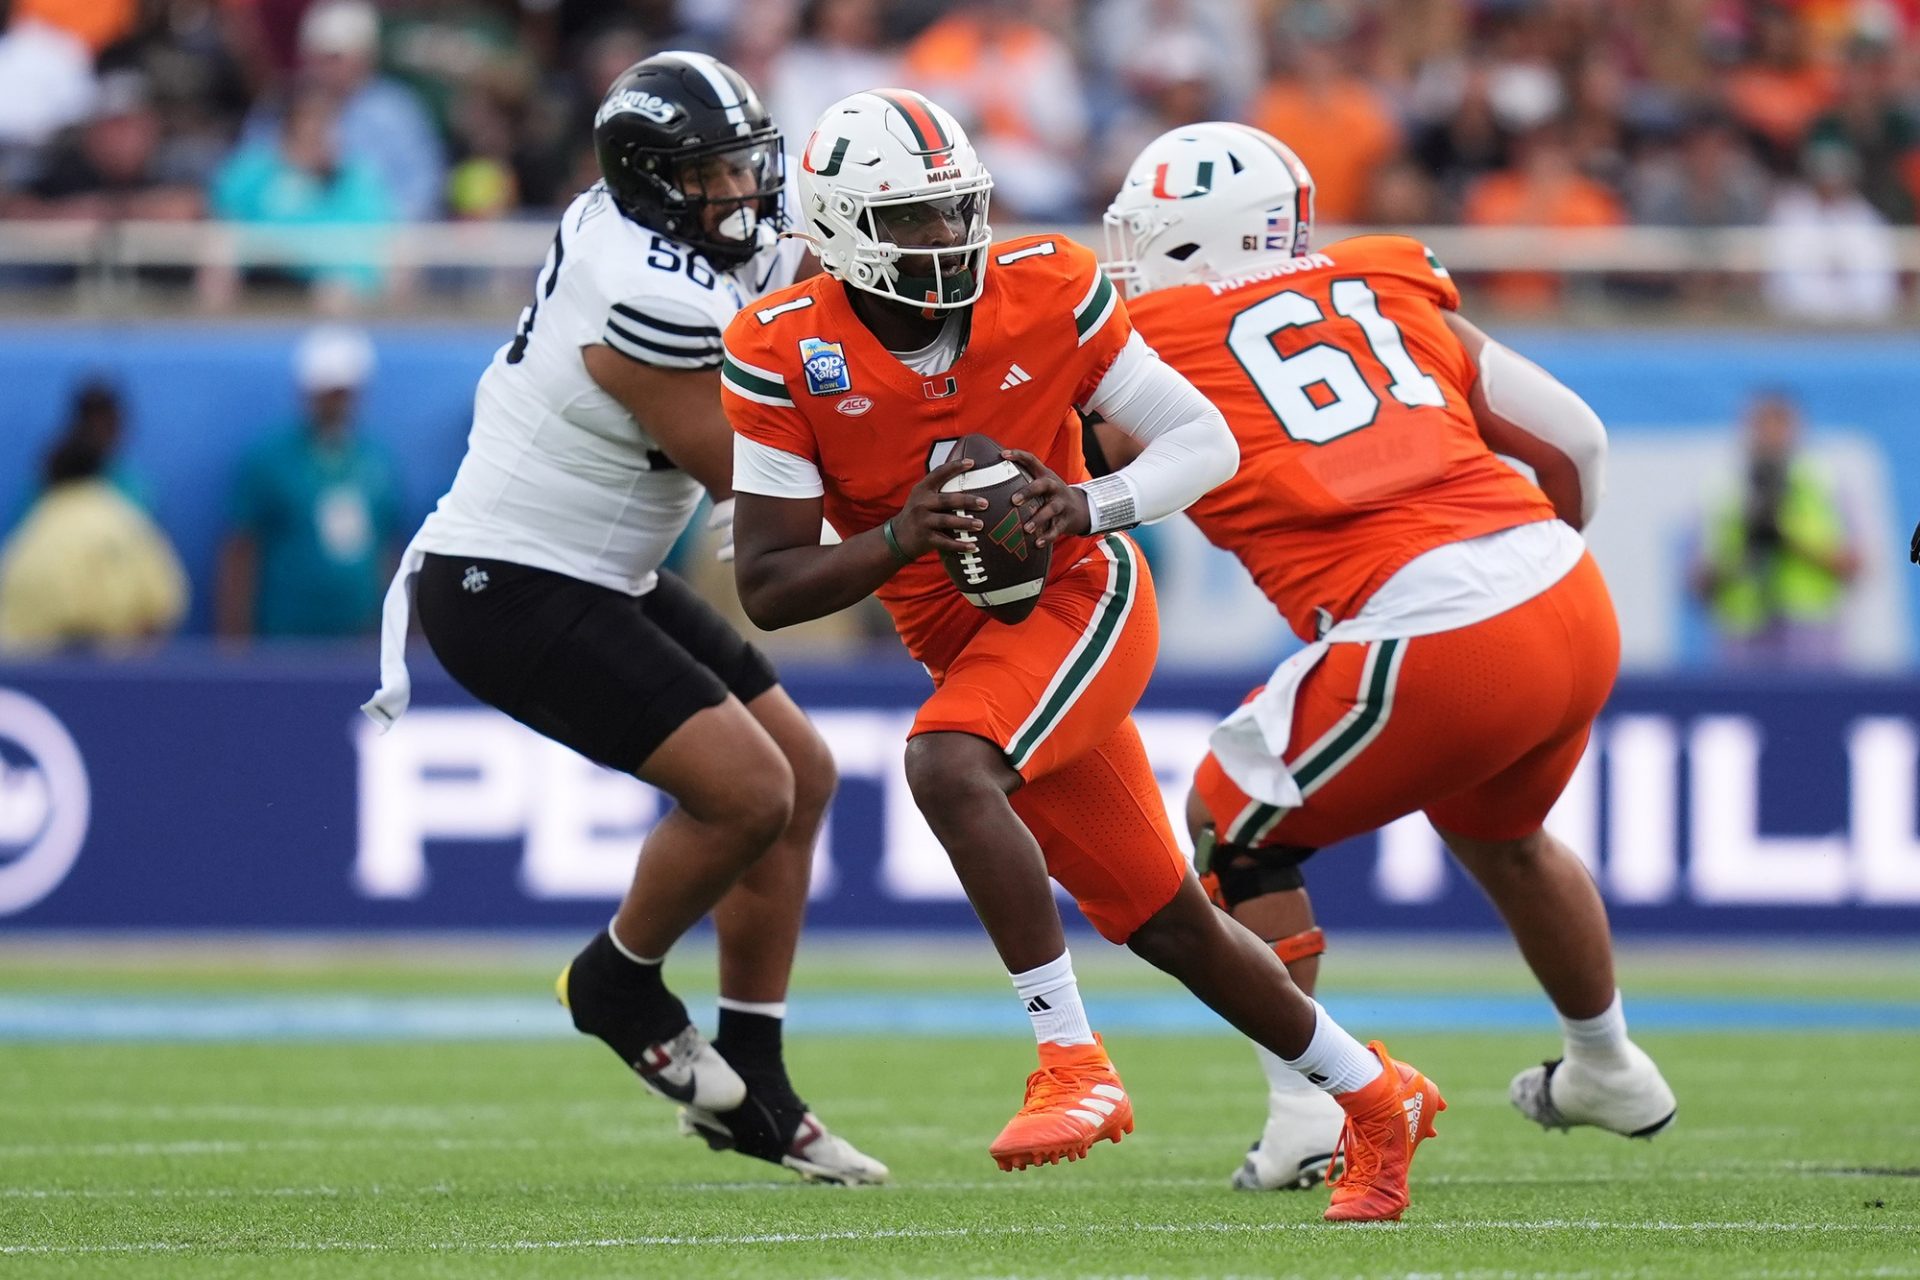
(750, 1042)
(624, 1003)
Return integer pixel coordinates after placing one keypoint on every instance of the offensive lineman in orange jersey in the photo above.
(1024, 761)
(1461, 638)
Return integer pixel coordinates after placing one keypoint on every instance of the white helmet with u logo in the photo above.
(1204, 202)
(894, 199)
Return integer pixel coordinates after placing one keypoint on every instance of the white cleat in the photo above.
(1302, 1133)
(812, 1152)
(820, 1156)
(689, 1070)
(1631, 1099)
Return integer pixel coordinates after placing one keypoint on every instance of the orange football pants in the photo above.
(1479, 727)
(1056, 693)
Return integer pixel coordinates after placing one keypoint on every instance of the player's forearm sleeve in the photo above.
(1189, 448)
(1533, 402)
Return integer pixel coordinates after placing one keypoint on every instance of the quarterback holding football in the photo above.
(922, 391)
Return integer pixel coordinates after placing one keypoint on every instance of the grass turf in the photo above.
(1793, 1156)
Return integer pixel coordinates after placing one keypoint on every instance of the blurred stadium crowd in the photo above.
(1547, 113)
(1800, 117)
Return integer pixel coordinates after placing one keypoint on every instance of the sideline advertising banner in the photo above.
(199, 791)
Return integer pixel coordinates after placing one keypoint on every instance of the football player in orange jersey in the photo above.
(1461, 639)
(845, 394)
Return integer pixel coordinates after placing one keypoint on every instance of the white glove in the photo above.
(721, 519)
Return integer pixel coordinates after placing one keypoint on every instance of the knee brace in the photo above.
(1233, 874)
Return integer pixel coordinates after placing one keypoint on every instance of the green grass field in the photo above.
(1797, 1153)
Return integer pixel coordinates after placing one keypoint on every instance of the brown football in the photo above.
(1003, 571)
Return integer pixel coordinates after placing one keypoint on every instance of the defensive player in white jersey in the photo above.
(539, 585)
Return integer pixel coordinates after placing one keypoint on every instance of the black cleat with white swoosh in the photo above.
(647, 1026)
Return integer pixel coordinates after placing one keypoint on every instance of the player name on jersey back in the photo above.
(1287, 267)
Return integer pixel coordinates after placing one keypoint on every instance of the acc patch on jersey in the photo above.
(826, 367)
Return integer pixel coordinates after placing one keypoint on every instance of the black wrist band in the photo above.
(893, 543)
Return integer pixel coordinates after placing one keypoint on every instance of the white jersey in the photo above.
(558, 475)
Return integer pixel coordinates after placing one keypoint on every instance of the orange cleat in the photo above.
(1073, 1101)
(1386, 1122)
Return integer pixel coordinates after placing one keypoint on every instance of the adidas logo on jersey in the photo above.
(1015, 376)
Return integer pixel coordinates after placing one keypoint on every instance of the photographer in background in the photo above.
(1778, 557)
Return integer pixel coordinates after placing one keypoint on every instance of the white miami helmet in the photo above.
(894, 200)
(1205, 202)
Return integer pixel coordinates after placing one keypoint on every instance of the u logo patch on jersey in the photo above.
(826, 367)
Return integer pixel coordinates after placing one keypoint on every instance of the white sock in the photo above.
(1052, 1000)
(1599, 1041)
(1281, 1078)
(766, 1009)
(628, 952)
(1335, 1062)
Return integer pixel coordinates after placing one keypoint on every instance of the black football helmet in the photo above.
(672, 129)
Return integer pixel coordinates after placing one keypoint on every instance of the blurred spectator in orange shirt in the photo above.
(1336, 122)
(1013, 84)
(1780, 88)
(96, 23)
(1544, 188)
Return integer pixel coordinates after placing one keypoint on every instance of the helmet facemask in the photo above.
(1128, 236)
(728, 194)
(927, 250)
(739, 179)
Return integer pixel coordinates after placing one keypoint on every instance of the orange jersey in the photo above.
(1348, 395)
(803, 374)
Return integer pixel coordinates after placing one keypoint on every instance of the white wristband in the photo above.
(1111, 503)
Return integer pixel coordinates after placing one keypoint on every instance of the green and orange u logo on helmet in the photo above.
(1202, 182)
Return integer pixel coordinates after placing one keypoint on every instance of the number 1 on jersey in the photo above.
(1348, 404)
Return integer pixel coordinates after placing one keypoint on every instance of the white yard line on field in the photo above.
(217, 1193)
(1536, 1226)
(777, 1182)
(225, 1147)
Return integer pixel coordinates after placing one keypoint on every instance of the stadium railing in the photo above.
(137, 245)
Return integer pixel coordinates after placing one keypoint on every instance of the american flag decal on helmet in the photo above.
(1279, 234)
